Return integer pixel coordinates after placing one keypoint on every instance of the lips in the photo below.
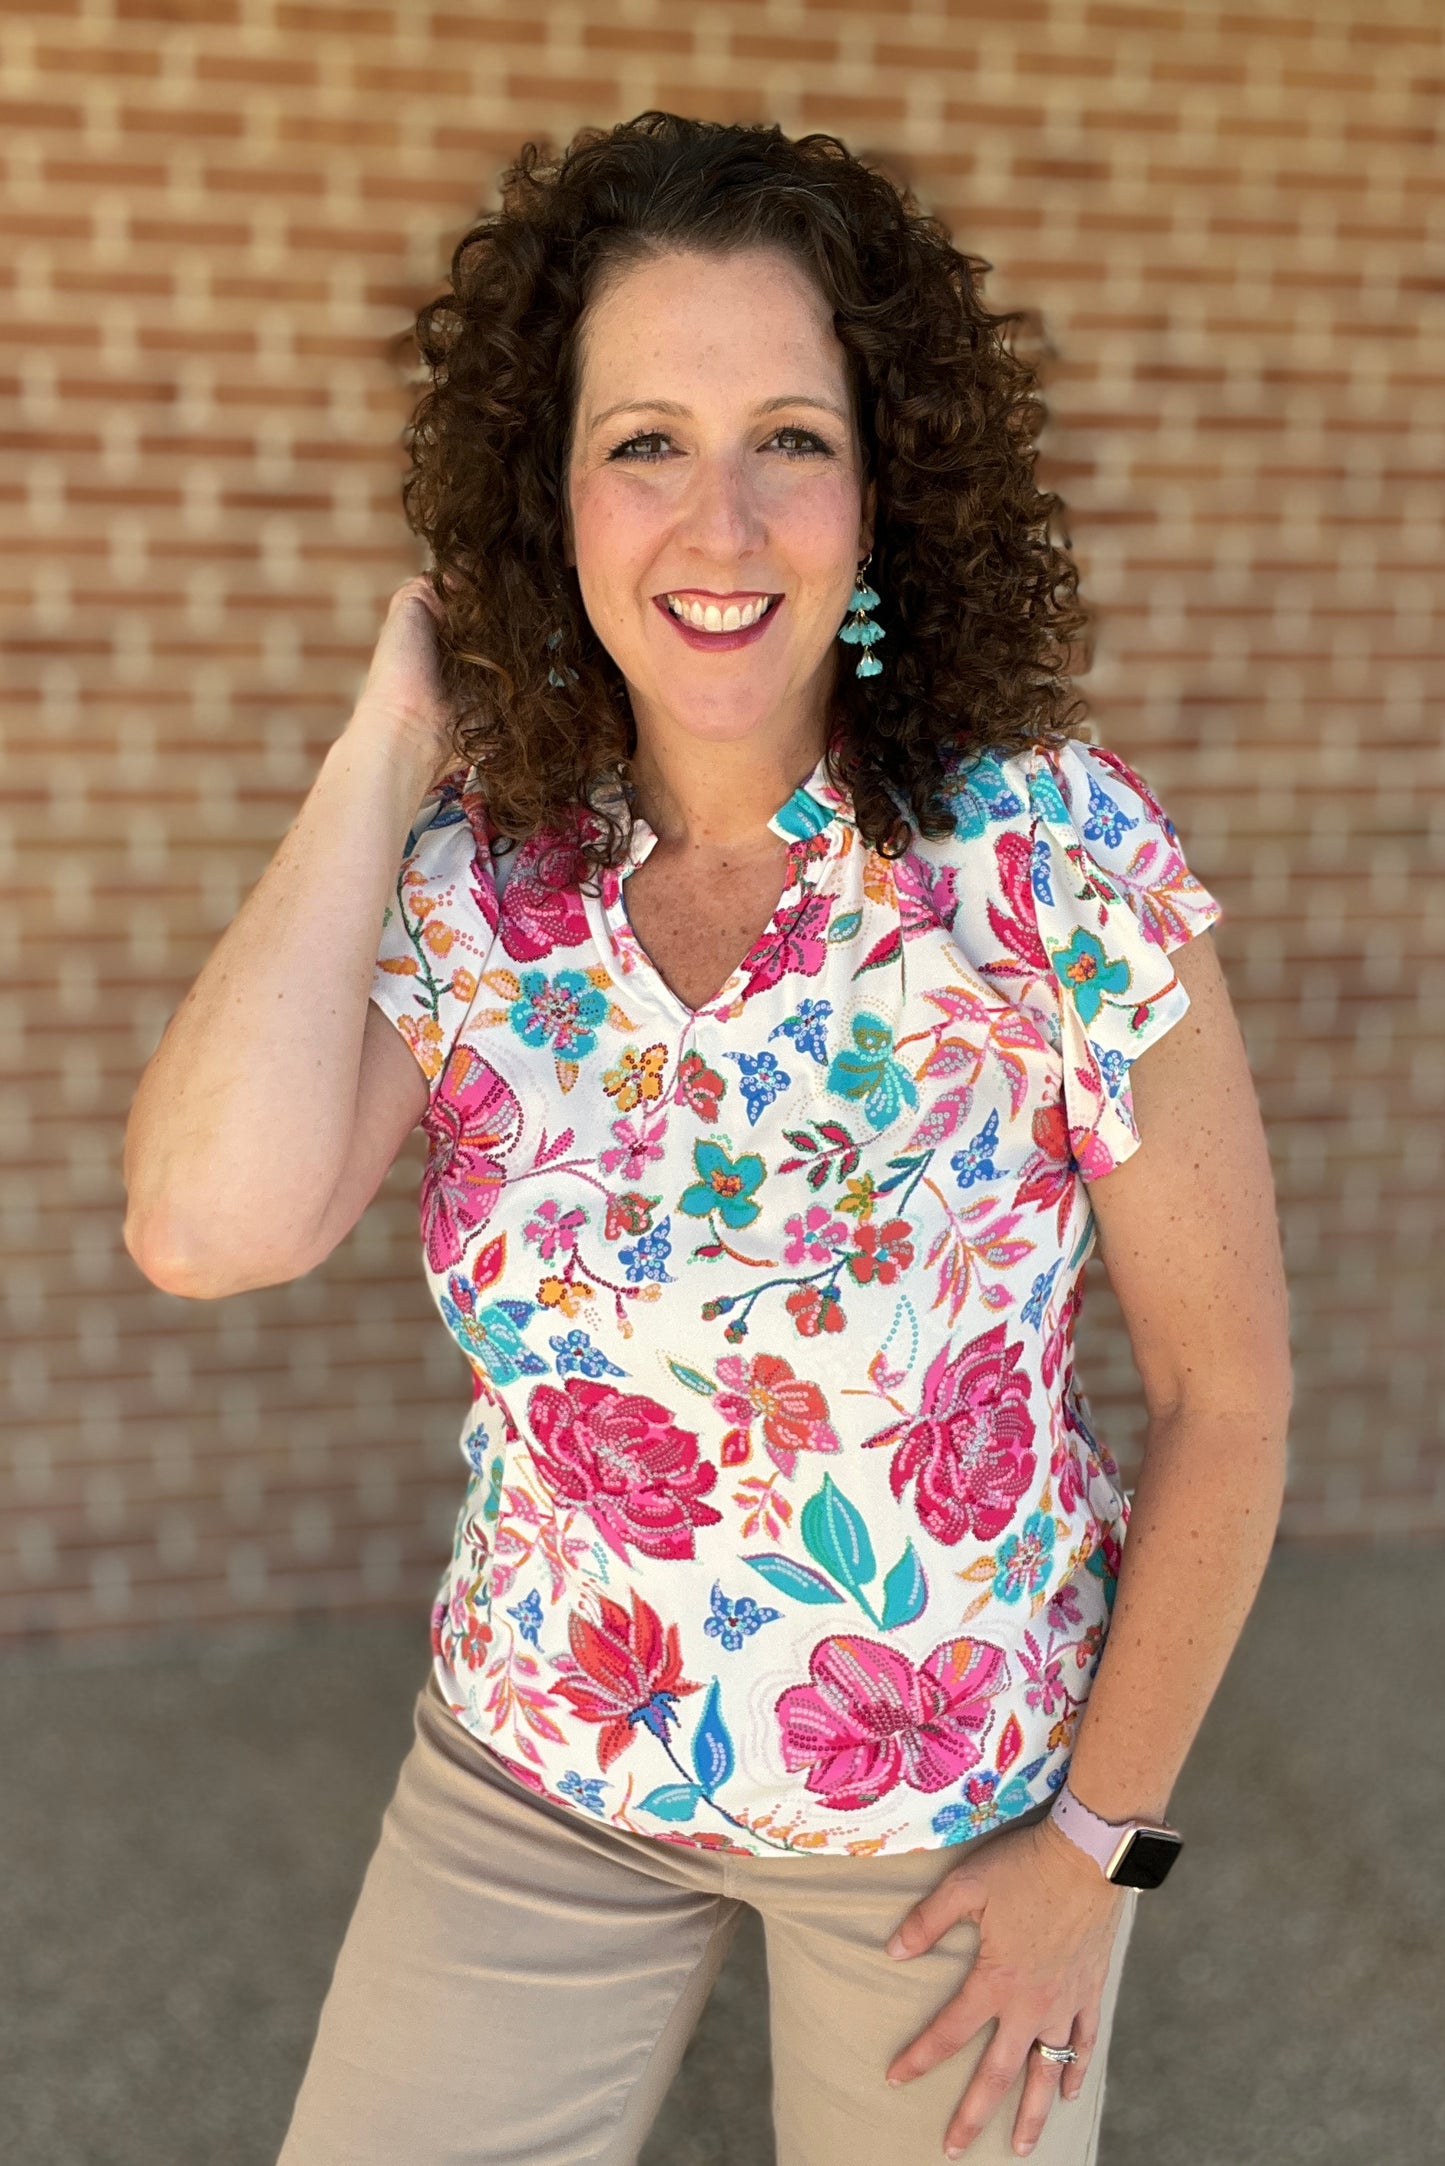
(718, 635)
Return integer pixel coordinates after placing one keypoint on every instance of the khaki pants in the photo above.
(518, 1983)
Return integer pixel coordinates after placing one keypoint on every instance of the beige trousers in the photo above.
(518, 1982)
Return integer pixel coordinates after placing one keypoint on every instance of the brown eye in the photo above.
(630, 449)
(801, 444)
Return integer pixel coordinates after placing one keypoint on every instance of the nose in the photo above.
(723, 518)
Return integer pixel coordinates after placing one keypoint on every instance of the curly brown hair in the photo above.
(978, 600)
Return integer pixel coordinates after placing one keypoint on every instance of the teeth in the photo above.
(707, 617)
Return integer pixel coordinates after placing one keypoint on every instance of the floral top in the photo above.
(786, 1529)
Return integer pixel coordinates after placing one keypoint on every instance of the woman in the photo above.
(789, 996)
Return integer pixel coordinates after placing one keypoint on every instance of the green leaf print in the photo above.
(834, 1533)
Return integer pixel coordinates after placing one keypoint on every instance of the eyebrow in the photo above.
(670, 406)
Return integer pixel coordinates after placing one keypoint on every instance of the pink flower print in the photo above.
(815, 1238)
(795, 947)
(970, 1449)
(794, 1413)
(870, 1719)
(619, 1457)
(470, 1125)
(639, 1143)
(554, 1230)
(541, 908)
(927, 898)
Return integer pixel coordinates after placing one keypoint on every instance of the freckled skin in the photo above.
(730, 466)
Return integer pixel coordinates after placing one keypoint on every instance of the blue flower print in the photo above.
(1032, 1311)
(647, 1258)
(1039, 870)
(1026, 1558)
(982, 1807)
(1107, 822)
(975, 1161)
(760, 1080)
(979, 796)
(528, 1615)
(1113, 1067)
(583, 1790)
(562, 1012)
(735, 1619)
(867, 1070)
(808, 1029)
(577, 1356)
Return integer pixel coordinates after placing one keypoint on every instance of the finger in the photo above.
(1083, 2038)
(990, 2084)
(949, 2032)
(957, 1896)
(1041, 2088)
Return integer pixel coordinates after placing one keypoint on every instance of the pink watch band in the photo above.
(1102, 1840)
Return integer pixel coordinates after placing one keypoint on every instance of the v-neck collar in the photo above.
(817, 809)
(814, 806)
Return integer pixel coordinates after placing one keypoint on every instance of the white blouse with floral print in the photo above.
(786, 1529)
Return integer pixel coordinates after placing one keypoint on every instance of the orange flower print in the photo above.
(637, 1078)
(793, 1413)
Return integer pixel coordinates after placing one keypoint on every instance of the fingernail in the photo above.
(895, 1946)
(895, 2083)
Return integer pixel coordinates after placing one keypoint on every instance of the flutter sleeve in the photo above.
(439, 925)
(1113, 897)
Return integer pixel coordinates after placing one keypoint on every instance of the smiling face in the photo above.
(717, 509)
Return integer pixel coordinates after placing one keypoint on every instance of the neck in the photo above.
(712, 796)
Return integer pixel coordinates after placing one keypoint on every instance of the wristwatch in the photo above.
(1131, 1853)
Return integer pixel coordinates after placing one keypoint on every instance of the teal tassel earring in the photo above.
(554, 675)
(860, 629)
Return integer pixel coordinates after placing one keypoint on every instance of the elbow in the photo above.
(197, 1270)
(168, 1263)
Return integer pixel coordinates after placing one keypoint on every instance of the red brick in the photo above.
(1307, 798)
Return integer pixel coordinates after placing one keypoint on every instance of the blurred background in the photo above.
(219, 219)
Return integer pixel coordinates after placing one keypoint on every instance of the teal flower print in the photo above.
(725, 1185)
(1025, 1559)
(987, 1802)
(979, 796)
(493, 1333)
(563, 1011)
(867, 1070)
(1085, 971)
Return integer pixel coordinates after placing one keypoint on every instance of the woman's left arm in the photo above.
(1190, 1240)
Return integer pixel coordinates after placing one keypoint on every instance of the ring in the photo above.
(1054, 2053)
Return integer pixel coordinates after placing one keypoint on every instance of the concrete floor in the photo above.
(182, 1835)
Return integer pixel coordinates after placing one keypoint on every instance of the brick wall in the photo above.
(217, 216)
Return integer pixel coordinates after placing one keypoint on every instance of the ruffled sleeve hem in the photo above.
(438, 929)
(1113, 897)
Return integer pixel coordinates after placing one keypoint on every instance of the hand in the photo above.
(402, 696)
(1047, 1918)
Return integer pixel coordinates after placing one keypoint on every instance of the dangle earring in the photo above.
(861, 630)
(554, 675)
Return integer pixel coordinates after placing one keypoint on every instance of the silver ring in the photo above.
(1054, 2053)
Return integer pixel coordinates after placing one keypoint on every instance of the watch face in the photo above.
(1147, 1860)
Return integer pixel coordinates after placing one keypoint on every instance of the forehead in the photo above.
(735, 324)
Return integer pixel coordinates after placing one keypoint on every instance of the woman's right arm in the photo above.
(278, 1096)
